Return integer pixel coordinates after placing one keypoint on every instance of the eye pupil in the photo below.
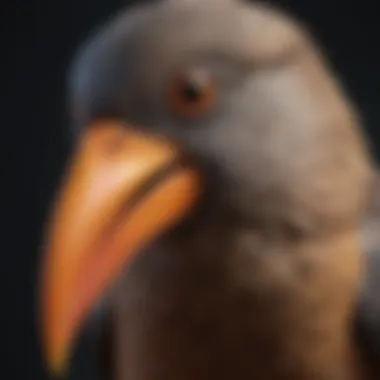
(191, 93)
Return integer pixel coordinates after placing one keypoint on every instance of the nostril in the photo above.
(108, 138)
(115, 143)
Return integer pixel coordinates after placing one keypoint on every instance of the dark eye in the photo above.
(193, 94)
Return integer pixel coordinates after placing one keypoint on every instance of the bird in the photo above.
(219, 190)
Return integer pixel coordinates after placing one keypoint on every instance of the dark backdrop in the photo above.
(37, 40)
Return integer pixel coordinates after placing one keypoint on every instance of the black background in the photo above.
(38, 39)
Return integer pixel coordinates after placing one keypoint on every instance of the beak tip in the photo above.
(58, 371)
(57, 366)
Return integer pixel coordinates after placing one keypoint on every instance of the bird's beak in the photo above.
(124, 189)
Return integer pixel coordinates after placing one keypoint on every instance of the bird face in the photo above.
(263, 100)
(190, 103)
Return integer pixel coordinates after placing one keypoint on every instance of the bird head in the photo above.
(181, 106)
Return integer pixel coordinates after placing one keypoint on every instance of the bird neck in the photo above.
(233, 303)
(293, 299)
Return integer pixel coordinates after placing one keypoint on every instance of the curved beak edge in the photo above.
(109, 208)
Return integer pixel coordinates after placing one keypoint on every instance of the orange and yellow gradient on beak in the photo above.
(123, 190)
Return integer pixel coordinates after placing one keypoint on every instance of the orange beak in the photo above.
(124, 189)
